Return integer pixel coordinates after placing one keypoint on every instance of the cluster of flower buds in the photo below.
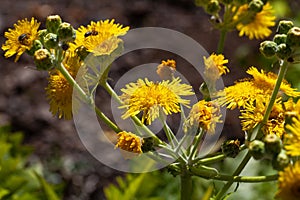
(285, 43)
(56, 36)
(270, 148)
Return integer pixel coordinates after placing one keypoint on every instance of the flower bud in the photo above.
(66, 32)
(280, 161)
(212, 7)
(42, 34)
(50, 41)
(268, 48)
(279, 38)
(42, 59)
(231, 148)
(284, 26)
(256, 6)
(36, 46)
(283, 51)
(257, 149)
(273, 144)
(52, 23)
(293, 37)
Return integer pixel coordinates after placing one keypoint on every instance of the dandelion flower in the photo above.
(129, 142)
(292, 142)
(59, 91)
(20, 38)
(215, 66)
(100, 38)
(292, 109)
(289, 183)
(258, 27)
(152, 98)
(204, 114)
(166, 69)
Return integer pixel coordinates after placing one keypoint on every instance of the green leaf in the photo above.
(49, 192)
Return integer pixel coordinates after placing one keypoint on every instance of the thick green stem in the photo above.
(186, 185)
(222, 41)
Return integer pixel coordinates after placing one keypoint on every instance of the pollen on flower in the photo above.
(204, 114)
(129, 142)
(21, 38)
(289, 182)
(259, 26)
(152, 98)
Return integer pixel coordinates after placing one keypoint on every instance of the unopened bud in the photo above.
(212, 7)
(273, 144)
(52, 23)
(256, 6)
(283, 51)
(293, 37)
(280, 161)
(257, 149)
(66, 32)
(42, 59)
(50, 41)
(284, 26)
(279, 38)
(36, 46)
(231, 148)
(268, 48)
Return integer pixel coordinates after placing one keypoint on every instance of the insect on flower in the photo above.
(89, 33)
(23, 38)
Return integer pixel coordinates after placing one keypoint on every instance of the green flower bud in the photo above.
(66, 32)
(50, 41)
(257, 149)
(273, 144)
(52, 23)
(283, 51)
(231, 148)
(284, 26)
(81, 52)
(212, 7)
(42, 34)
(293, 37)
(256, 6)
(36, 46)
(279, 38)
(280, 161)
(43, 59)
(268, 48)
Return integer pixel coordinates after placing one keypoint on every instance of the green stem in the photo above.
(86, 98)
(222, 41)
(186, 185)
(195, 145)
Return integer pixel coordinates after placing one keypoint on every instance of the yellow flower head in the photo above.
(215, 66)
(253, 113)
(20, 38)
(99, 37)
(166, 69)
(292, 109)
(292, 143)
(151, 98)
(258, 27)
(204, 114)
(247, 90)
(129, 142)
(59, 91)
(289, 183)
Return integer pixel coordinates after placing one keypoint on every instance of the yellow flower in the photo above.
(253, 113)
(59, 91)
(292, 109)
(258, 27)
(20, 38)
(151, 98)
(289, 182)
(292, 142)
(215, 66)
(99, 37)
(247, 90)
(129, 142)
(204, 114)
(166, 69)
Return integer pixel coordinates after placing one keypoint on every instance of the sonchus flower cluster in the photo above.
(153, 98)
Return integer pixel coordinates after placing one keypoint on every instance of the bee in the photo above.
(23, 38)
(89, 33)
